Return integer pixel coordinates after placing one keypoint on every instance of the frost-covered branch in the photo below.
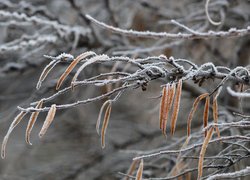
(189, 96)
(233, 32)
(148, 69)
(232, 175)
(61, 29)
(28, 41)
(238, 94)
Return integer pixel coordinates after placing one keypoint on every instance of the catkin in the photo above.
(48, 120)
(168, 106)
(215, 116)
(139, 171)
(176, 106)
(31, 122)
(215, 111)
(191, 114)
(164, 111)
(98, 122)
(105, 124)
(171, 96)
(71, 67)
(206, 114)
(162, 105)
(14, 123)
(203, 151)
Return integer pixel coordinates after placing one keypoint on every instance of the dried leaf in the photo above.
(203, 151)
(48, 120)
(71, 67)
(176, 106)
(206, 113)
(139, 171)
(45, 72)
(14, 123)
(81, 68)
(132, 168)
(215, 111)
(191, 114)
(165, 110)
(31, 122)
(169, 103)
(172, 93)
(100, 116)
(105, 124)
(162, 105)
(215, 116)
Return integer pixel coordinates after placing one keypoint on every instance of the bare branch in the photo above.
(233, 32)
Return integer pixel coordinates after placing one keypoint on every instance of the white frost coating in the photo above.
(192, 35)
(232, 175)
(61, 29)
(137, 77)
(34, 41)
(65, 56)
(208, 16)
(232, 30)
(237, 94)
(183, 26)
(208, 65)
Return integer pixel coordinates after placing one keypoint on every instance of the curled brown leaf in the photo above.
(176, 106)
(88, 62)
(45, 72)
(31, 122)
(162, 105)
(215, 111)
(49, 118)
(206, 114)
(71, 67)
(105, 124)
(191, 114)
(203, 151)
(98, 122)
(170, 98)
(14, 123)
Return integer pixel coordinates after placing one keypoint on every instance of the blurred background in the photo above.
(71, 148)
